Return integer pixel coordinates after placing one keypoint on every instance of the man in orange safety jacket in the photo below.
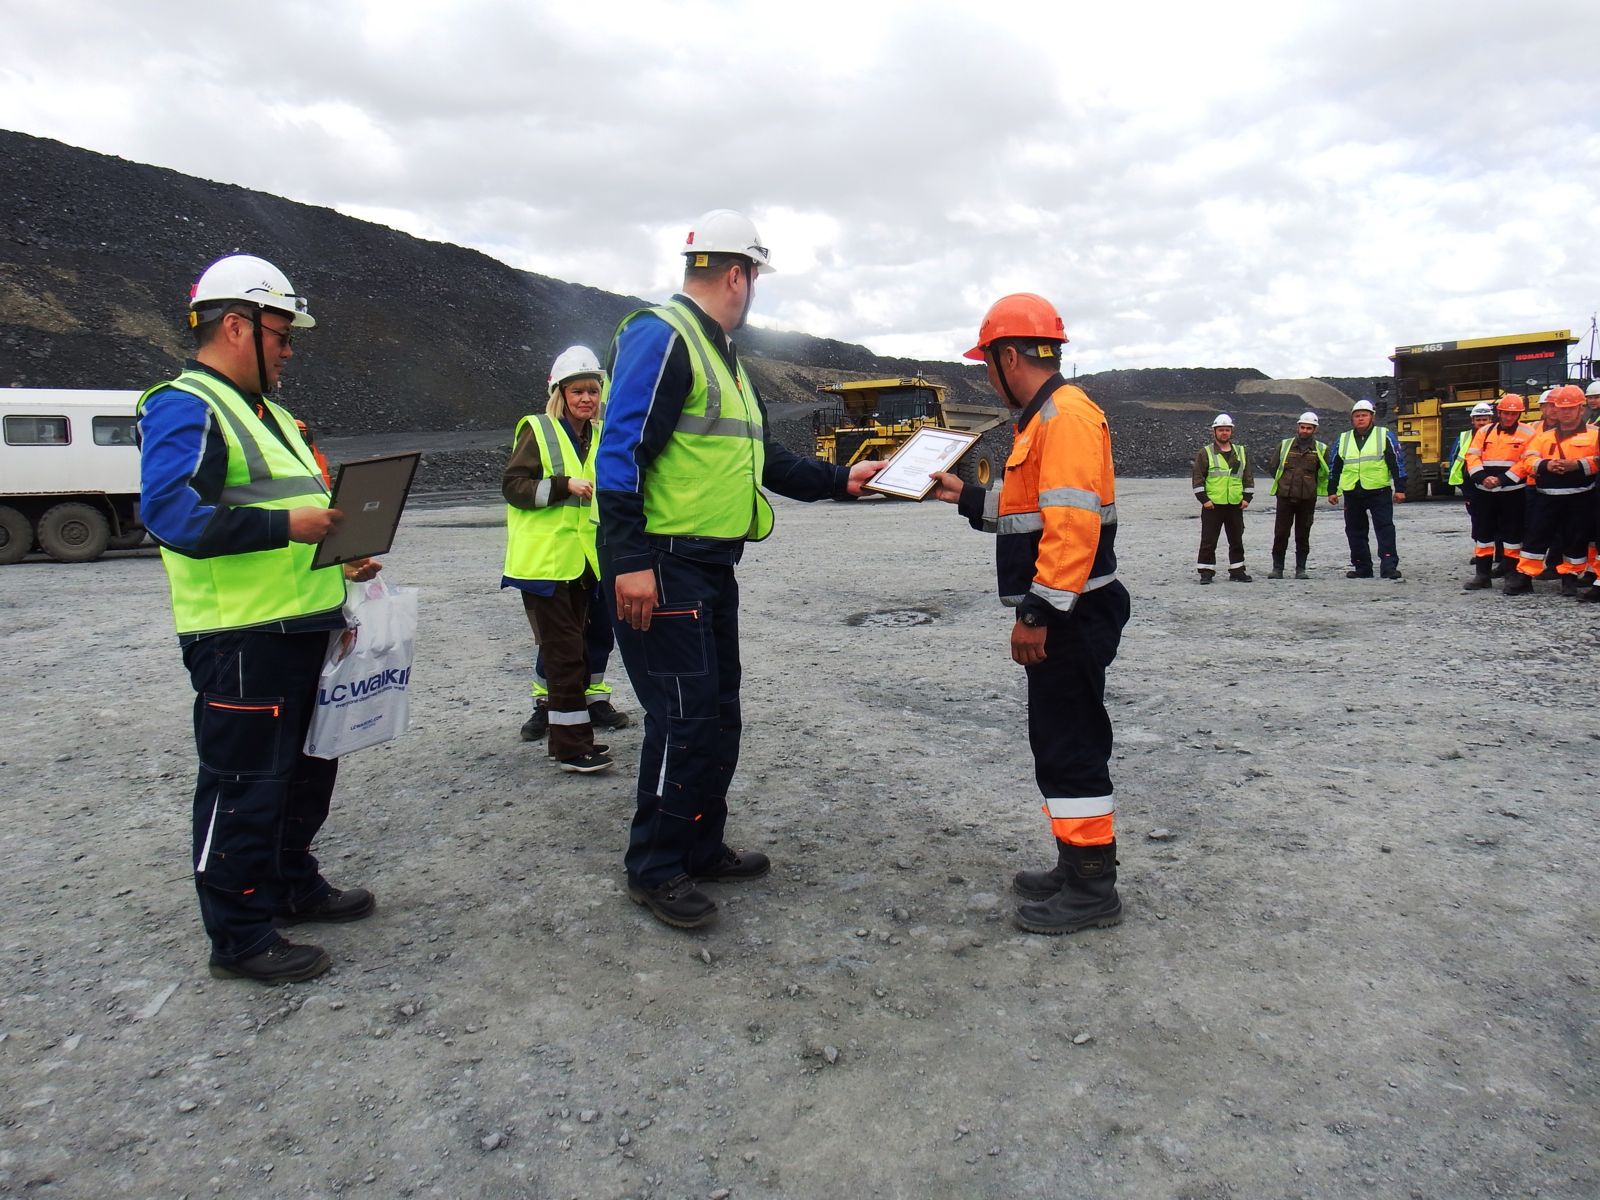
(1497, 513)
(1055, 518)
(1562, 464)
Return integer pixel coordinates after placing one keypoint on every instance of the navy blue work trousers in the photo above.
(1360, 504)
(259, 801)
(1069, 730)
(685, 672)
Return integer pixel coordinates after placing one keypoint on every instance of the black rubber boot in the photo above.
(1481, 579)
(1277, 569)
(1088, 900)
(1516, 584)
(1041, 885)
(1300, 567)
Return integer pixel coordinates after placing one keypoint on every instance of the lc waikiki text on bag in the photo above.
(363, 696)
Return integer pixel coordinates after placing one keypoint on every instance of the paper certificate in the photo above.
(928, 450)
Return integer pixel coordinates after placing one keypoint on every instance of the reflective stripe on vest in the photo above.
(1224, 484)
(1364, 466)
(556, 541)
(236, 591)
(706, 480)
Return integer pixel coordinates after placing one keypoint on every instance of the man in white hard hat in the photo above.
(1591, 398)
(1299, 477)
(1224, 485)
(235, 498)
(1369, 469)
(683, 458)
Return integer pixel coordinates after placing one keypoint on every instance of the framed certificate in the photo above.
(926, 451)
(371, 493)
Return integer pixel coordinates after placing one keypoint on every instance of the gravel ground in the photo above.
(1359, 957)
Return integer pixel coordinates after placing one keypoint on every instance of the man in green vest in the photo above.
(1224, 484)
(236, 500)
(1299, 476)
(683, 458)
(1369, 469)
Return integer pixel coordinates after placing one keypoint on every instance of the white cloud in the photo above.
(1239, 183)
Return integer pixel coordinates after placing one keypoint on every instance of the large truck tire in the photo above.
(985, 463)
(128, 539)
(16, 535)
(74, 533)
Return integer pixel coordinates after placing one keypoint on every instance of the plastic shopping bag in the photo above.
(363, 696)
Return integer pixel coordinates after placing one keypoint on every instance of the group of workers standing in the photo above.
(627, 528)
(1364, 466)
(1530, 492)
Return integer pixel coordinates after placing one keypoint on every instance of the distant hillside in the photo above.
(416, 335)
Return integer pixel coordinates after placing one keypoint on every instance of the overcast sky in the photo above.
(1297, 188)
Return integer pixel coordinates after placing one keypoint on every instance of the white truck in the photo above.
(69, 473)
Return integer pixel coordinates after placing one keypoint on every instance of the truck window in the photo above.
(36, 431)
(113, 431)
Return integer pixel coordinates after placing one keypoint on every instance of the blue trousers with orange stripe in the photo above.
(258, 801)
(1069, 729)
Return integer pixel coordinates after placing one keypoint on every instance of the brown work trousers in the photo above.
(558, 624)
(1217, 519)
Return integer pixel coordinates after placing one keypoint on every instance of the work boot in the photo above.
(603, 715)
(1088, 899)
(333, 906)
(1481, 579)
(1590, 595)
(1206, 576)
(1549, 573)
(1041, 885)
(536, 726)
(1300, 567)
(1569, 585)
(1277, 569)
(1359, 573)
(735, 865)
(676, 902)
(282, 962)
(1502, 567)
(1390, 571)
(1240, 576)
(1516, 584)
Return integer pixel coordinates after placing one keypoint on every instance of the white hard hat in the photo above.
(1223, 421)
(1483, 409)
(247, 279)
(1593, 389)
(723, 231)
(1308, 418)
(1544, 396)
(1363, 406)
(573, 362)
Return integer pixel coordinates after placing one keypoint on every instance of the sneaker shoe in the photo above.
(281, 962)
(592, 763)
(603, 715)
(735, 865)
(334, 905)
(676, 902)
(536, 726)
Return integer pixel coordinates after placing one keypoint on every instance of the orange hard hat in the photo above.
(1511, 402)
(1020, 315)
(1567, 396)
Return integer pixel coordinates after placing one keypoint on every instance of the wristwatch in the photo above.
(1030, 617)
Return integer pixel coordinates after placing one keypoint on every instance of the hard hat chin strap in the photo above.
(1005, 384)
(261, 355)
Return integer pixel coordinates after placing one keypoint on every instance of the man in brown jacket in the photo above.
(1299, 476)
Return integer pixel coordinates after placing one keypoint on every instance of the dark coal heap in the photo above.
(416, 337)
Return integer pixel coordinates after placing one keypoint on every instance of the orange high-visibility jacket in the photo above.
(1055, 515)
(1493, 451)
(1581, 446)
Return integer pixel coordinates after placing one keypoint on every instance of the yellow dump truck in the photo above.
(1437, 383)
(874, 417)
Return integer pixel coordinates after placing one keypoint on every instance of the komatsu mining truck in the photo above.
(875, 417)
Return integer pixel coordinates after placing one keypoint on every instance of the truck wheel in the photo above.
(128, 539)
(985, 463)
(16, 535)
(73, 533)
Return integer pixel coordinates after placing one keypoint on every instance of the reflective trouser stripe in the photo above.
(581, 717)
(1081, 820)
